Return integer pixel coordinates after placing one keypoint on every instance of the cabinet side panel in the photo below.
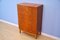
(39, 18)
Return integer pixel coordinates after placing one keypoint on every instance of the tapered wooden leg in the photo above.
(20, 30)
(36, 36)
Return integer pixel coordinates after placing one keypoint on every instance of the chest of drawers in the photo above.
(30, 18)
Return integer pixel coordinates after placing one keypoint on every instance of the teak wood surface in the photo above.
(30, 18)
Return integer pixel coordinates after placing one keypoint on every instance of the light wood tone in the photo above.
(10, 32)
(30, 18)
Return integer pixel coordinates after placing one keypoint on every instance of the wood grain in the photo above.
(30, 17)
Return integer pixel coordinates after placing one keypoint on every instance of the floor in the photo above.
(10, 32)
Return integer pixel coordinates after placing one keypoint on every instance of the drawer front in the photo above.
(30, 18)
(27, 19)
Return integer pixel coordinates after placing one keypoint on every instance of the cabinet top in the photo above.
(30, 4)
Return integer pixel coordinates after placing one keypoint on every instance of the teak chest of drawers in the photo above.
(30, 18)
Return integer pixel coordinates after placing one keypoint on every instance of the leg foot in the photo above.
(36, 36)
